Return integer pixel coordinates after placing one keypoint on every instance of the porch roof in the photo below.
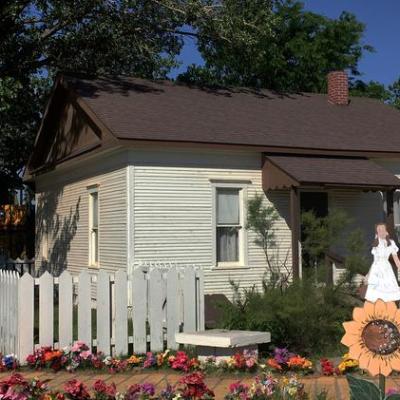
(284, 171)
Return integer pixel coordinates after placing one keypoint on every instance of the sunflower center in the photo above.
(381, 337)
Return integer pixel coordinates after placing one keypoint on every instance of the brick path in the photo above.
(335, 386)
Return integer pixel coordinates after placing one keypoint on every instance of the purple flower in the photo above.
(148, 388)
(282, 355)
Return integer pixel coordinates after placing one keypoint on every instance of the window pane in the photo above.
(96, 247)
(396, 208)
(95, 210)
(227, 244)
(228, 207)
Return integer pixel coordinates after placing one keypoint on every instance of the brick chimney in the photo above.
(338, 88)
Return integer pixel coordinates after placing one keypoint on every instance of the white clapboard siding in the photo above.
(46, 310)
(173, 211)
(158, 295)
(65, 309)
(84, 308)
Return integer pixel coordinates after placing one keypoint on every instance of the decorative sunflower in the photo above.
(373, 337)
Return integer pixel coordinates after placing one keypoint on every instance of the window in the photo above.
(396, 212)
(93, 228)
(229, 225)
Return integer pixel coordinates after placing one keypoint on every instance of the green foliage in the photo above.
(39, 38)
(304, 317)
(289, 48)
(361, 389)
(261, 219)
(375, 90)
(322, 233)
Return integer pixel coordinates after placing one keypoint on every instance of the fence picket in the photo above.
(189, 300)
(172, 308)
(159, 299)
(84, 309)
(121, 313)
(139, 288)
(200, 300)
(103, 313)
(46, 310)
(65, 309)
(25, 316)
(13, 312)
(155, 310)
(2, 312)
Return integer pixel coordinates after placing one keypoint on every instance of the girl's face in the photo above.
(381, 231)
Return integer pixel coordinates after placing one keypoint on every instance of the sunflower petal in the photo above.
(395, 361)
(397, 317)
(352, 327)
(369, 309)
(355, 350)
(380, 309)
(365, 358)
(359, 314)
(391, 309)
(374, 366)
(349, 339)
(385, 367)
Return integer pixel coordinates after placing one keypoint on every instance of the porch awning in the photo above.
(284, 171)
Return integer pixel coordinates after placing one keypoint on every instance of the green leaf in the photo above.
(393, 397)
(361, 389)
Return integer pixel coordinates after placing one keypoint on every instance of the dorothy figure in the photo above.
(382, 282)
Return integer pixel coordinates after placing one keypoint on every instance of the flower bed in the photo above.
(189, 387)
(79, 356)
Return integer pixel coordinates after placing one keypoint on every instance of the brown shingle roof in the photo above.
(164, 111)
(342, 171)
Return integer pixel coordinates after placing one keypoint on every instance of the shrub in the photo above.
(304, 317)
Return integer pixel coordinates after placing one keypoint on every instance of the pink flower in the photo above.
(85, 355)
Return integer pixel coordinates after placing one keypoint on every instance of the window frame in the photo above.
(94, 232)
(396, 211)
(242, 237)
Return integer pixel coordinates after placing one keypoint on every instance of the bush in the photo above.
(304, 317)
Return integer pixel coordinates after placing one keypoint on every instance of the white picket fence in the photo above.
(164, 302)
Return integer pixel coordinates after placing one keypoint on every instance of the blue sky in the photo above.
(382, 19)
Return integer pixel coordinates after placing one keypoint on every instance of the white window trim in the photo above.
(91, 190)
(396, 204)
(243, 240)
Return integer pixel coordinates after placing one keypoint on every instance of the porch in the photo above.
(309, 179)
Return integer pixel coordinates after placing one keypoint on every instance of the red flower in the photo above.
(76, 390)
(327, 367)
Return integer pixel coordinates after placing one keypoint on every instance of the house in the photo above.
(128, 170)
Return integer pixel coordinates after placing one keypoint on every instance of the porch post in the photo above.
(295, 229)
(389, 219)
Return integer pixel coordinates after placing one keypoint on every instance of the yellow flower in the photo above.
(373, 337)
(134, 360)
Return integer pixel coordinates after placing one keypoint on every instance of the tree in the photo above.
(276, 45)
(376, 90)
(40, 37)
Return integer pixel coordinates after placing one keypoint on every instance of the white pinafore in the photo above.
(382, 283)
